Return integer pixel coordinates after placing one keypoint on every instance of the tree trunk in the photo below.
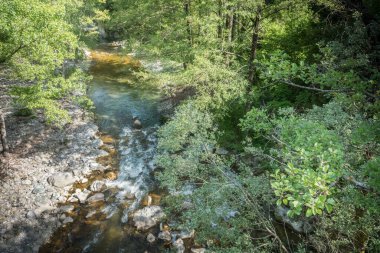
(220, 26)
(188, 22)
(254, 44)
(234, 27)
(188, 29)
(3, 135)
(230, 26)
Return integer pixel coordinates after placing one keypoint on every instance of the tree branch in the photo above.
(325, 91)
(310, 88)
(7, 57)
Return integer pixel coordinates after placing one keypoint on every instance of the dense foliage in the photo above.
(39, 41)
(284, 117)
(278, 149)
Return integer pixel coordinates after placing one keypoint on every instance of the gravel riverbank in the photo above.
(37, 176)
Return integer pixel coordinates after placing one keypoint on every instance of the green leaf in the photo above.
(329, 208)
(309, 212)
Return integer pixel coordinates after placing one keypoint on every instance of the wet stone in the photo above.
(67, 208)
(151, 238)
(68, 220)
(148, 217)
(179, 246)
(96, 198)
(90, 214)
(165, 235)
(97, 186)
(198, 250)
(82, 195)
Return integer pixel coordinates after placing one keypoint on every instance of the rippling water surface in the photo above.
(118, 97)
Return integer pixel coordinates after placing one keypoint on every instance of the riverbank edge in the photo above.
(38, 175)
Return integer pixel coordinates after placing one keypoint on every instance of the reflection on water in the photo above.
(117, 101)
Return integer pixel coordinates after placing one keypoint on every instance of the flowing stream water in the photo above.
(118, 97)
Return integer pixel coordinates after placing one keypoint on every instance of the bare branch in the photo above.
(310, 88)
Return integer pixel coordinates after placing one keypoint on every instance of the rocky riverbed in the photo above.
(37, 176)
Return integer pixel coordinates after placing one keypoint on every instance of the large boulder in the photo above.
(148, 217)
(61, 179)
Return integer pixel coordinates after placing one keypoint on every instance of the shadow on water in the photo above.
(118, 97)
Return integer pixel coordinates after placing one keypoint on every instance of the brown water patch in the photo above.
(114, 66)
(113, 58)
(108, 139)
(151, 199)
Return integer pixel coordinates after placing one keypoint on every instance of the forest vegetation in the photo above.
(279, 141)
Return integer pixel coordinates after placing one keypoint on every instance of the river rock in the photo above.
(185, 234)
(129, 195)
(82, 195)
(38, 189)
(26, 182)
(61, 179)
(179, 245)
(164, 227)
(72, 199)
(67, 208)
(151, 238)
(62, 217)
(137, 123)
(68, 220)
(198, 250)
(43, 208)
(148, 217)
(31, 215)
(77, 172)
(90, 214)
(165, 235)
(147, 201)
(97, 186)
(111, 176)
(84, 180)
(96, 198)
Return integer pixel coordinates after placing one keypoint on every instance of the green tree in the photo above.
(38, 40)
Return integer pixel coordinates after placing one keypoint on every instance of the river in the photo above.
(118, 96)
